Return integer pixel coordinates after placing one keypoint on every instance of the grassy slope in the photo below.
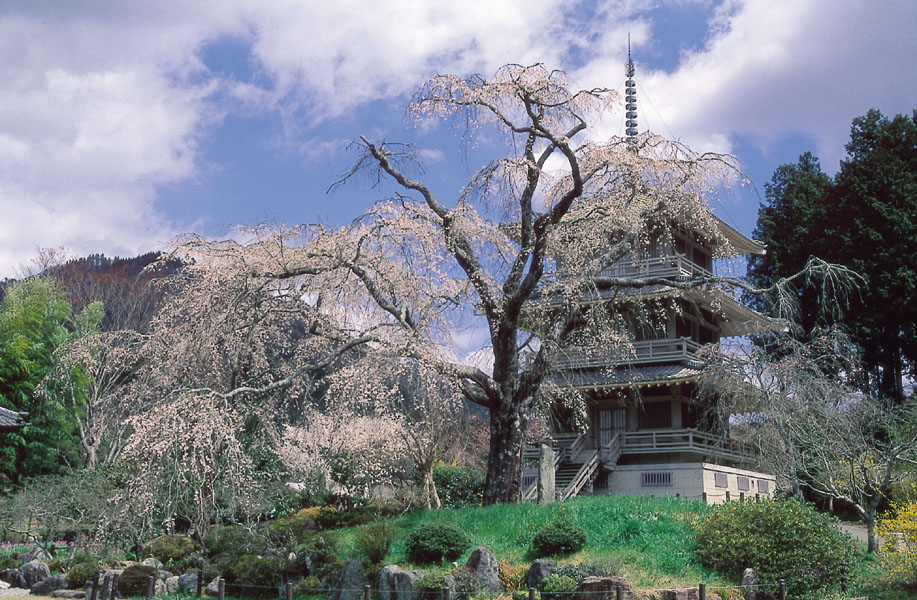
(648, 538)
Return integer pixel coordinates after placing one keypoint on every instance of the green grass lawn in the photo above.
(647, 539)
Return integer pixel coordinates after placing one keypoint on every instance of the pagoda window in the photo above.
(655, 415)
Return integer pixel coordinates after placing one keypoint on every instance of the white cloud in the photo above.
(776, 67)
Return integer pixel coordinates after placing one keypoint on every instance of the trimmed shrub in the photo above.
(232, 539)
(433, 542)
(375, 540)
(458, 487)
(169, 549)
(133, 579)
(293, 529)
(559, 538)
(778, 538)
(253, 576)
(10, 561)
(589, 568)
(557, 587)
(81, 572)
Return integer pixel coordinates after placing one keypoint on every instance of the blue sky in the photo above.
(123, 124)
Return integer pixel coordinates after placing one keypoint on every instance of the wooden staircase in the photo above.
(575, 466)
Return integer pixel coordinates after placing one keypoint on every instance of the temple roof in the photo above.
(627, 376)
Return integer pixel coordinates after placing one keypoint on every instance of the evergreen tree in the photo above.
(863, 219)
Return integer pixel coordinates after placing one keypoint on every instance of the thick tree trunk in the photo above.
(504, 462)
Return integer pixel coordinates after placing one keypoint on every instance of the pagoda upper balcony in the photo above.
(676, 265)
(644, 352)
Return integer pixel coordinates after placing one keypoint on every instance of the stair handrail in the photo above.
(574, 449)
(611, 450)
(585, 473)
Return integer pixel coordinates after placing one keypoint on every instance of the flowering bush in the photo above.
(778, 538)
(899, 541)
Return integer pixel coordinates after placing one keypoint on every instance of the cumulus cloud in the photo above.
(772, 68)
(102, 104)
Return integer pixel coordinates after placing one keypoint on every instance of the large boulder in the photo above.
(36, 553)
(540, 570)
(48, 585)
(397, 584)
(603, 588)
(350, 585)
(188, 582)
(483, 572)
(33, 572)
(14, 578)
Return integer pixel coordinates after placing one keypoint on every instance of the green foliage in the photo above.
(34, 316)
(588, 568)
(169, 549)
(557, 587)
(232, 539)
(457, 486)
(432, 542)
(293, 529)
(133, 580)
(865, 219)
(375, 540)
(252, 575)
(780, 539)
(560, 538)
(81, 572)
(9, 562)
(430, 582)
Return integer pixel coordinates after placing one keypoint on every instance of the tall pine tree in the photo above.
(863, 219)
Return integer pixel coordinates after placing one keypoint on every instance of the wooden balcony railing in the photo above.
(680, 440)
(663, 266)
(646, 351)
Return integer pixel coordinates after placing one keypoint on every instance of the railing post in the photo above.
(289, 590)
(200, 582)
(95, 587)
(446, 593)
(782, 589)
(531, 593)
(619, 592)
(221, 589)
(367, 593)
(701, 591)
(150, 587)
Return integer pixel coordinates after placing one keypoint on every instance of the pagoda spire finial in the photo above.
(630, 97)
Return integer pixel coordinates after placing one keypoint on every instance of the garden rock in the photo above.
(188, 582)
(213, 588)
(350, 585)
(36, 553)
(171, 584)
(151, 562)
(540, 570)
(396, 584)
(14, 578)
(749, 581)
(33, 572)
(48, 585)
(482, 564)
(603, 588)
(4, 585)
